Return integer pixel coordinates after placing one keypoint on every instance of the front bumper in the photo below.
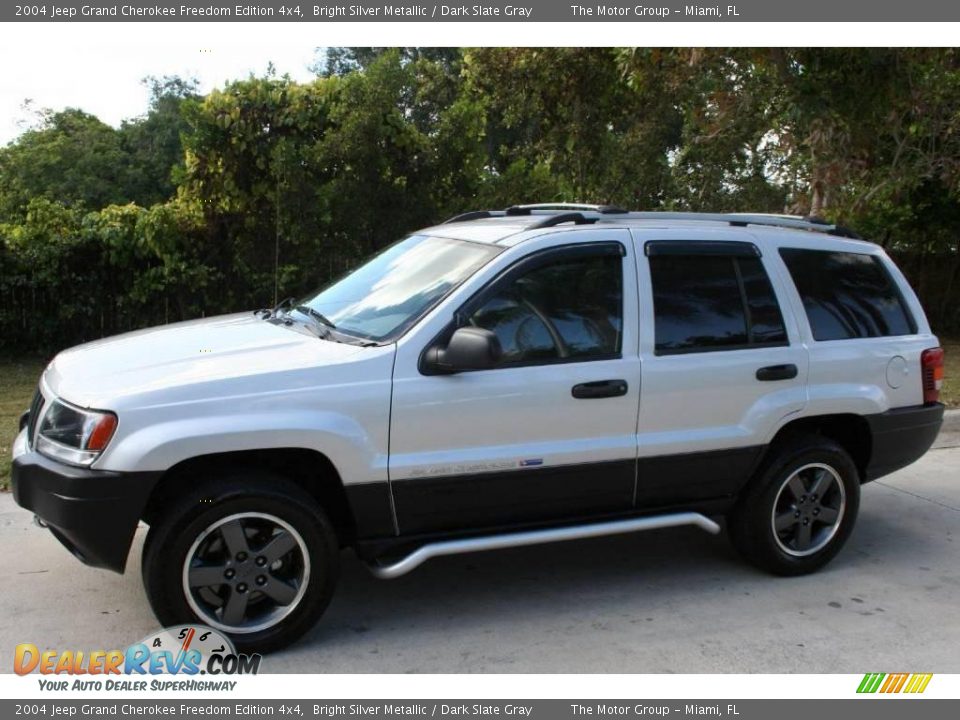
(901, 436)
(94, 513)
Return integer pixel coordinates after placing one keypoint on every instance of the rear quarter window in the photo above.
(847, 295)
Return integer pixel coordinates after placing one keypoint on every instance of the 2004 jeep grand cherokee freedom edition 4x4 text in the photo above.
(506, 378)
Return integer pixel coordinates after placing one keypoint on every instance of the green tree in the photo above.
(345, 60)
(249, 165)
(268, 187)
(72, 158)
(153, 144)
(567, 113)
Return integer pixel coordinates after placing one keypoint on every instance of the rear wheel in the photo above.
(250, 554)
(799, 510)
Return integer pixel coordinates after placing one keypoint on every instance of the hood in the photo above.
(100, 373)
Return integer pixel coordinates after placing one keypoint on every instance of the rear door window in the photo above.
(705, 302)
(766, 322)
(847, 295)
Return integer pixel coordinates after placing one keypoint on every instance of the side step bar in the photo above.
(536, 537)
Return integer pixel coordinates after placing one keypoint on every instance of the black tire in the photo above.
(771, 501)
(251, 508)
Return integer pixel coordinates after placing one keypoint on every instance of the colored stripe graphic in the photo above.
(871, 682)
(912, 684)
(900, 682)
(892, 683)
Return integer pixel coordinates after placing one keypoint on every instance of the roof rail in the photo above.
(551, 220)
(744, 219)
(537, 208)
(584, 213)
(468, 216)
(528, 209)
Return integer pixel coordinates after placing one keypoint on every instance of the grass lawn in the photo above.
(18, 379)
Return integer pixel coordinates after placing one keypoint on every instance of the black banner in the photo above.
(490, 11)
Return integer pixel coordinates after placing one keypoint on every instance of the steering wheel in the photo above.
(563, 350)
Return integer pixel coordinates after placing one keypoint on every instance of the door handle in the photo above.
(600, 389)
(777, 372)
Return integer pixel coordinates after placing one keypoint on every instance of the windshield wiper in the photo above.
(272, 312)
(316, 314)
(321, 322)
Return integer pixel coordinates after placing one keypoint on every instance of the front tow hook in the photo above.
(38, 522)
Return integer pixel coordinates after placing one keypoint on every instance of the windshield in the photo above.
(387, 294)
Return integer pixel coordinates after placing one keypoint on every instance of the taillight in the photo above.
(931, 365)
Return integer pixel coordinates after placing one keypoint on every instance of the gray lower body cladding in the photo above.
(901, 436)
(92, 513)
(95, 513)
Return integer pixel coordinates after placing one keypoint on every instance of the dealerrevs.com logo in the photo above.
(183, 650)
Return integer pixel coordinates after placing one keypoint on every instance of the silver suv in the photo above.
(531, 375)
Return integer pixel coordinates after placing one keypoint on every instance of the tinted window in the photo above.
(569, 309)
(393, 289)
(766, 322)
(699, 304)
(847, 295)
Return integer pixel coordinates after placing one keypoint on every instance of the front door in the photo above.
(551, 432)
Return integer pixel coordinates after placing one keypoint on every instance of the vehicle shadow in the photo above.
(550, 587)
(656, 578)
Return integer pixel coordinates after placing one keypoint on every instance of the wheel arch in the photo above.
(311, 470)
(850, 431)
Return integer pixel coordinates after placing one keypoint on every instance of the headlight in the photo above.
(74, 436)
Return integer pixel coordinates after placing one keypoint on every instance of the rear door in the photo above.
(722, 364)
(551, 432)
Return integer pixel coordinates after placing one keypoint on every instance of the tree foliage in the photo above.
(268, 187)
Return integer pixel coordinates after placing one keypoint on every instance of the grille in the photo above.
(35, 406)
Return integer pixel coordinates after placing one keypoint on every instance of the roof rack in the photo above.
(551, 220)
(813, 224)
(586, 213)
(535, 209)
(528, 209)
(468, 216)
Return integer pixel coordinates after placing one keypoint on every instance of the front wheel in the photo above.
(251, 555)
(799, 510)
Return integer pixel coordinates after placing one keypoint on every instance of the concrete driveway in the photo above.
(666, 601)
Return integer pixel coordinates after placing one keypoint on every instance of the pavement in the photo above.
(666, 601)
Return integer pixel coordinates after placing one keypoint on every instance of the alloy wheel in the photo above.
(246, 572)
(808, 510)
